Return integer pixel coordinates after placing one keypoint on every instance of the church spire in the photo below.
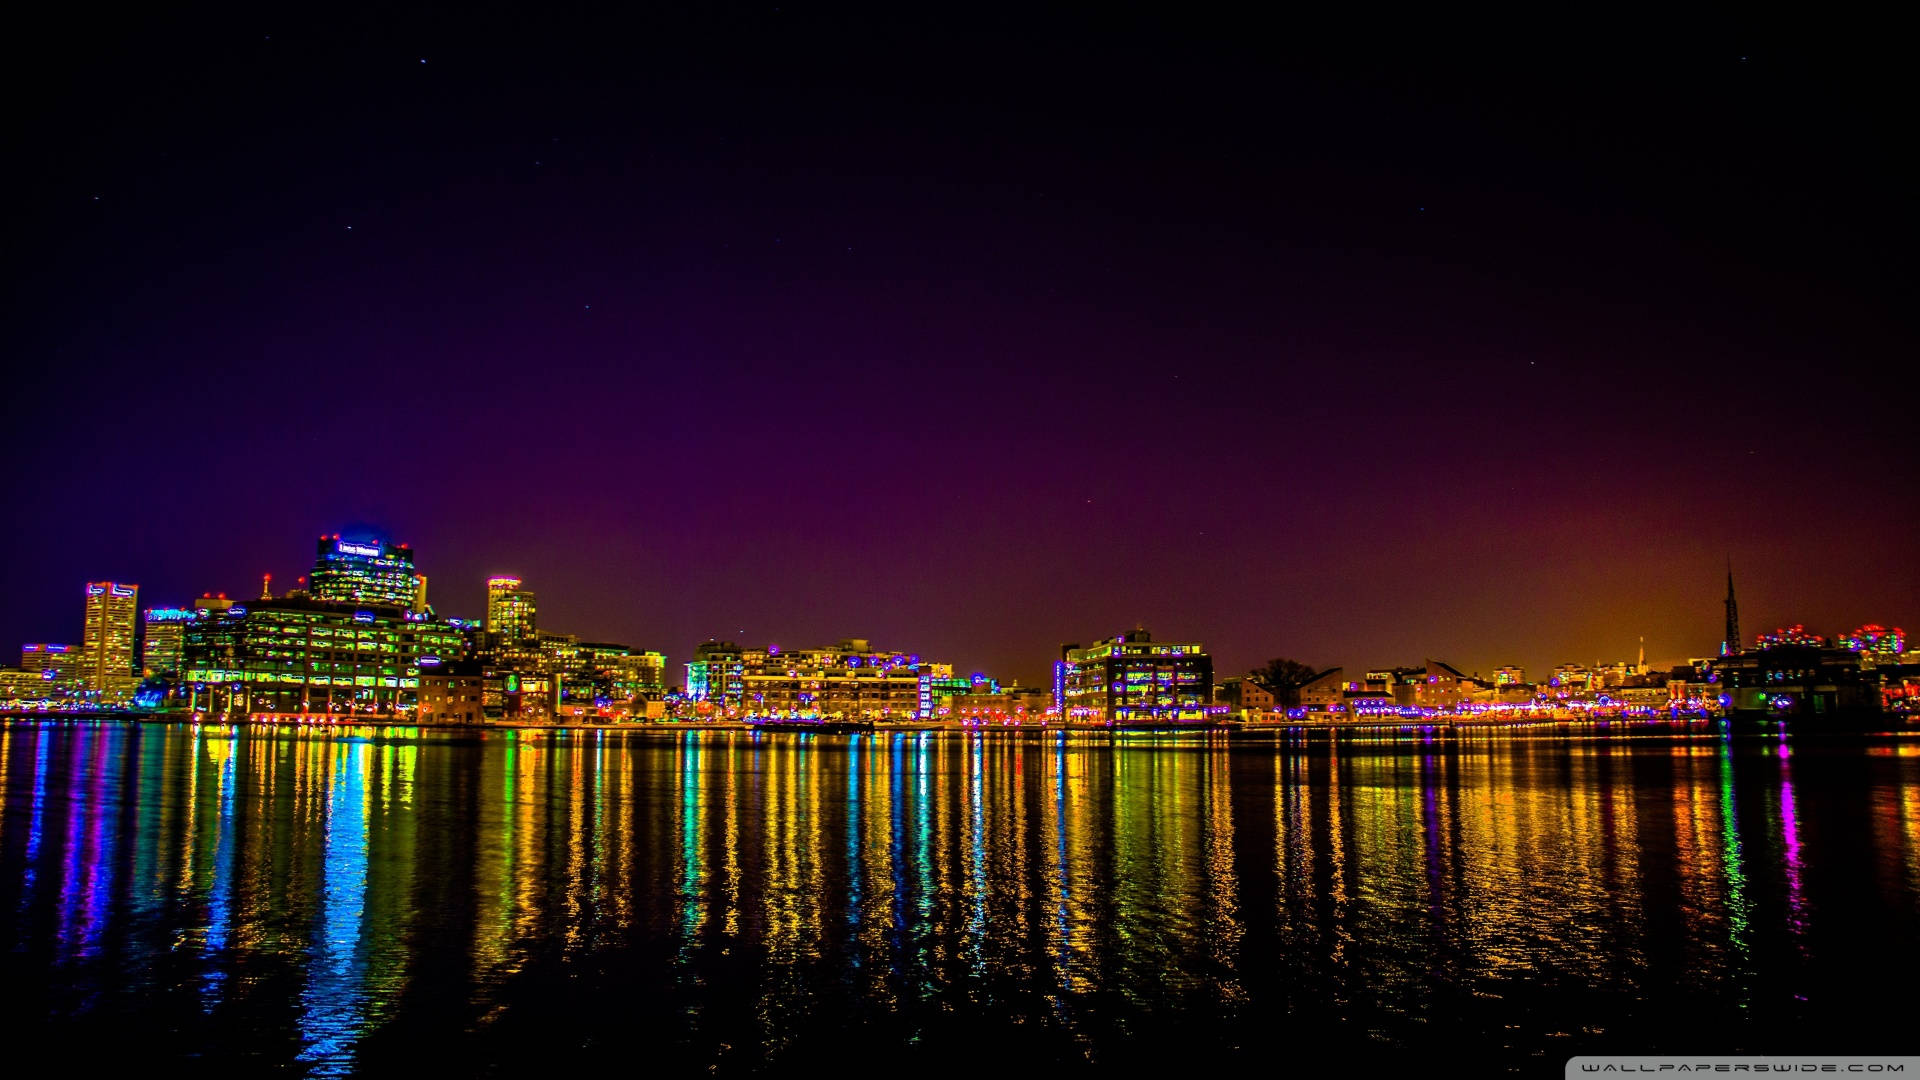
(1732, 643)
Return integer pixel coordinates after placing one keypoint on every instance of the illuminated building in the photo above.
(552, 654)
(1876, 641)
(365, 572)
(1797, 680)
(165, 632)
(1011, 705)
(1362, 702)
(1614, 674)
(1694, 685)
(1510, 675)
(107, 639)
(472, 634)
(519, 697)
(633, 675)
(511, 613)
(1900, 688)
(58, 665)
(714, 673)
(587, 671)
(293, 656)
(977, 698)
(848, 680)
(455, 692)
(1397, 683)
(573, 675)
(938, 685)
(1789, 635)
(1131, 678)
(1325, 689)
(1445, 686)
(20, 687)
(1571, 678)
(1246, 697)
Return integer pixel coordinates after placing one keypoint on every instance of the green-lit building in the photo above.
(715, 674)
(295, 656)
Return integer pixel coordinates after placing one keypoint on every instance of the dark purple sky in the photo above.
(975, 333)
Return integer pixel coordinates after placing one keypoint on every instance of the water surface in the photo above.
(360, 900)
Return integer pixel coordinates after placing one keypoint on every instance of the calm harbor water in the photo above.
(360, 900)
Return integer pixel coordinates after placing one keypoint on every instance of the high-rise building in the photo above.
(1131, 678)
(365, 572)
(107, 639)
(165, 632)
(512, 616)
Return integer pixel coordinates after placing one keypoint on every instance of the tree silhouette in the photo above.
(1281, 673)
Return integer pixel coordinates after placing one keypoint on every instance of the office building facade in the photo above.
(165, 635)
(714, 675)
(60, 665)
(1132, 679)
(849, 680)
(454, 693)
(512, 614)
(295, 656)
(108, 637)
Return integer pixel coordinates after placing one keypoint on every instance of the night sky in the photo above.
(974, 333)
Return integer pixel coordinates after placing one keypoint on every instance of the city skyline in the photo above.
(1031, 669)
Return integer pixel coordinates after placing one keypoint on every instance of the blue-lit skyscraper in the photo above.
(366, 572)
